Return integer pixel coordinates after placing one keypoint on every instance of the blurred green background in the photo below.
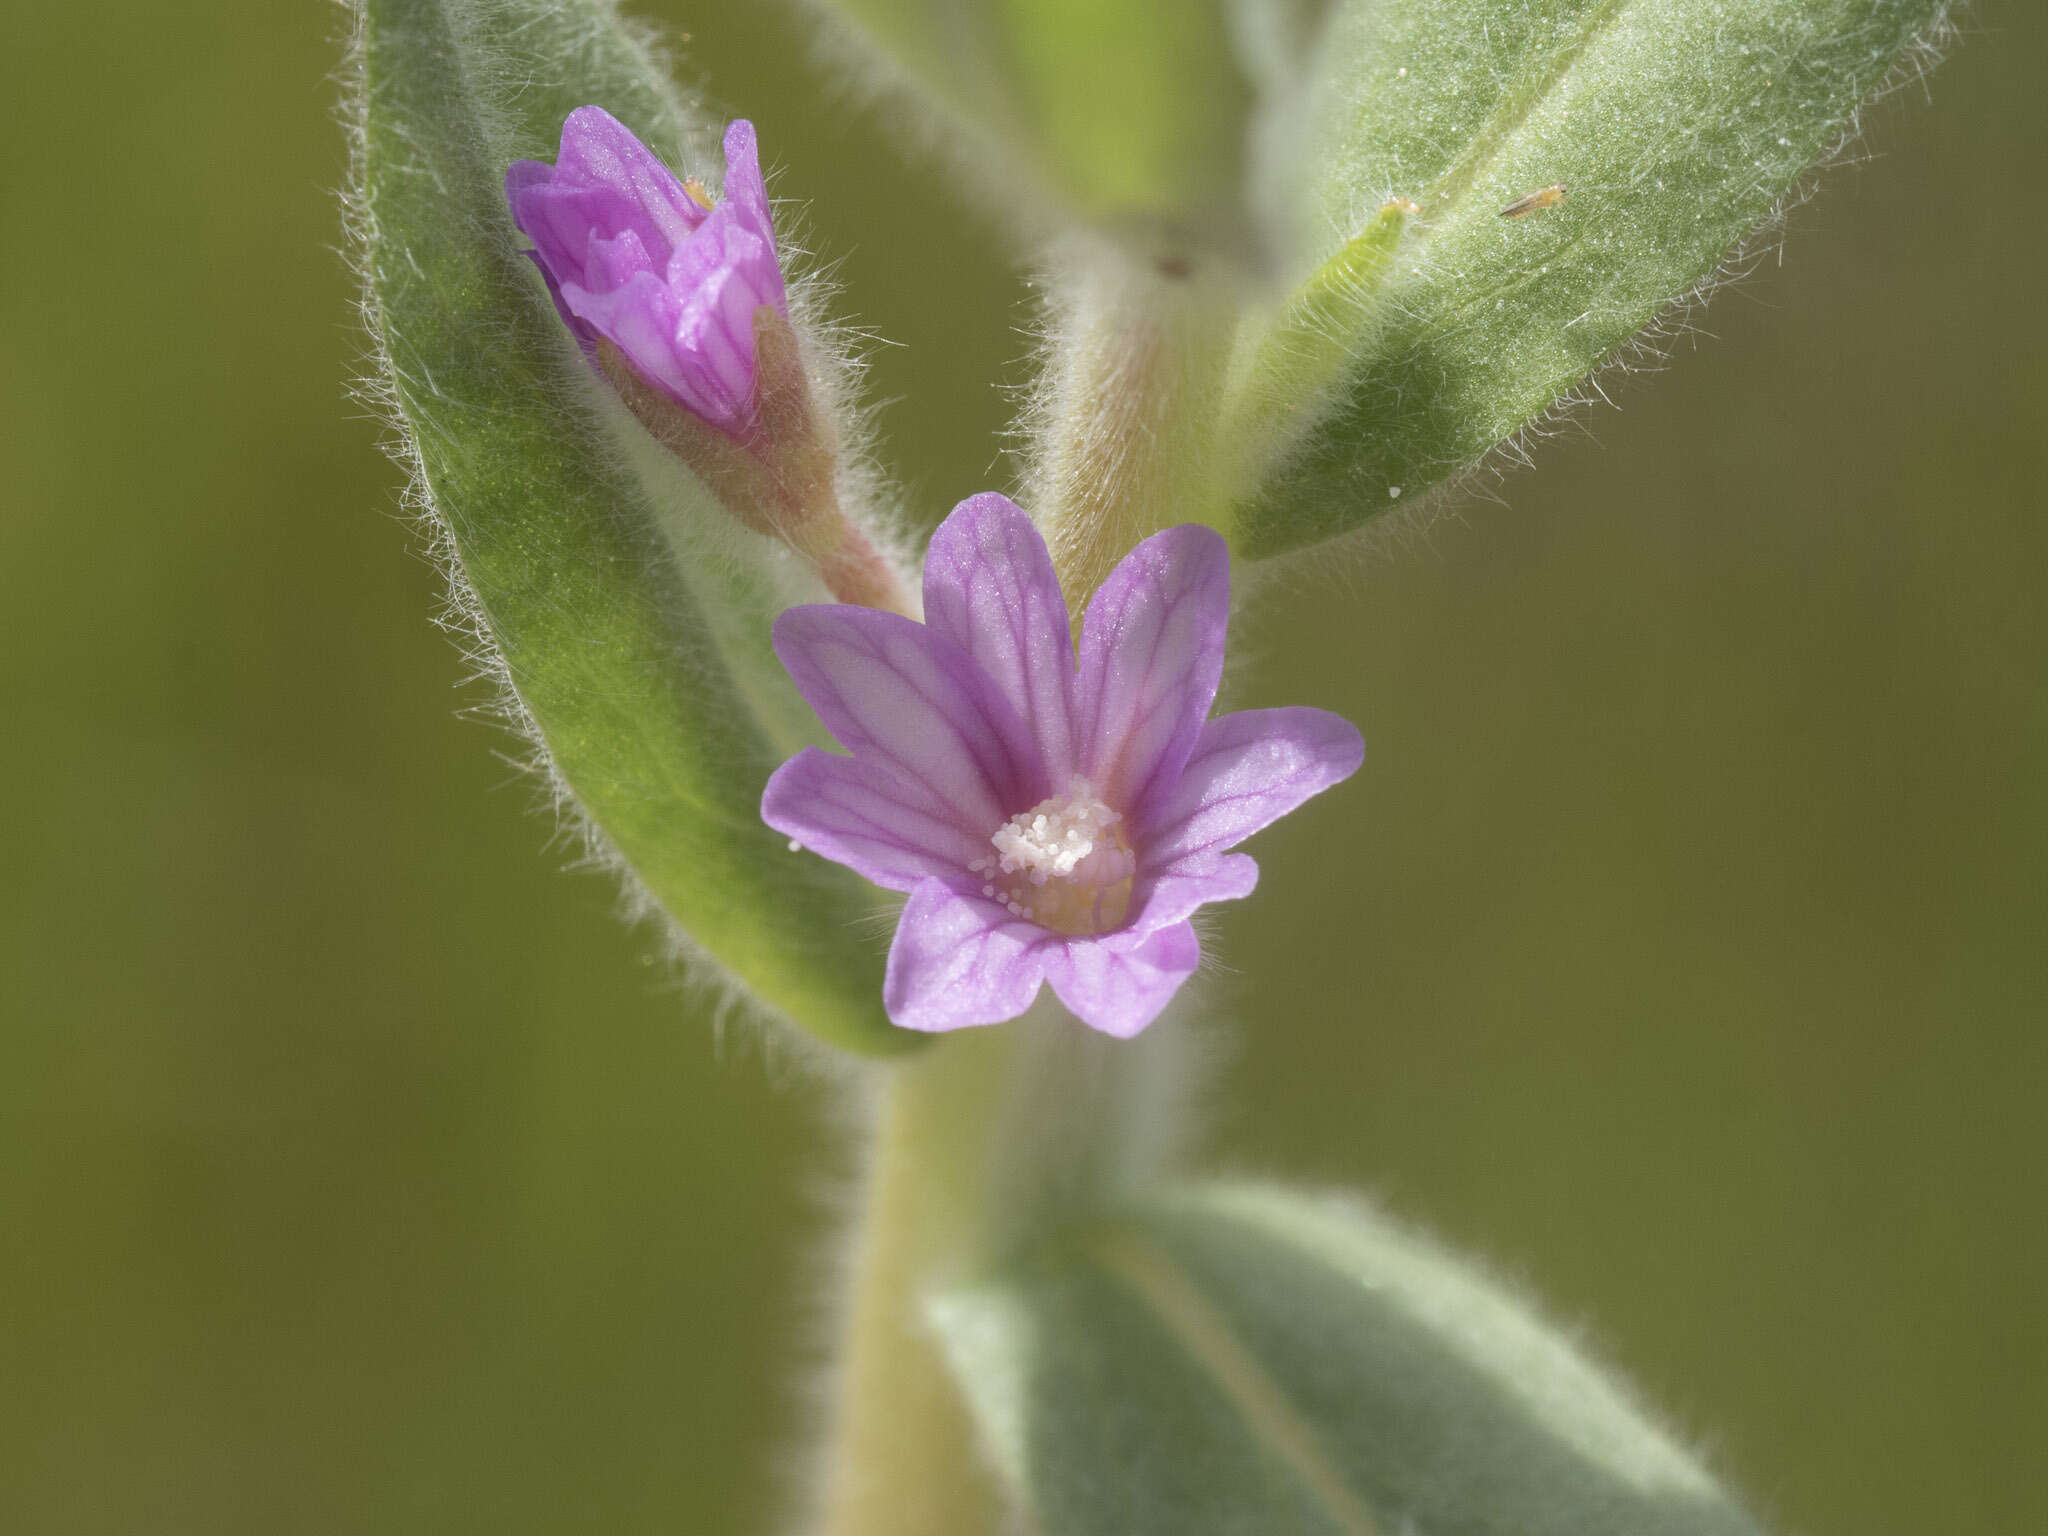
(1680, 947)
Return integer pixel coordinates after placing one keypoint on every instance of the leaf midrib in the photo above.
(1485, 146)
(1261, 1402)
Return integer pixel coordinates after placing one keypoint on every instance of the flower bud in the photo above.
(680, 305)
(638, 258)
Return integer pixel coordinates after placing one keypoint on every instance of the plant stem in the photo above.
(996, 1138)
(903, 1459)
(982, 1146)
(1128, 409)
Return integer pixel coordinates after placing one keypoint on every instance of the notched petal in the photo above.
(959, 960)
(892, 831)
(1121, 991)
(911, 704)
(1248, 770)
(1151, 657)
(989, 587)
(1173, 895)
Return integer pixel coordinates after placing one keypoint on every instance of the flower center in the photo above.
(1063, 864)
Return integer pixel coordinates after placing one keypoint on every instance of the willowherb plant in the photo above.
(1308, 261)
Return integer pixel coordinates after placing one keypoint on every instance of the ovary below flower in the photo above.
(1054, 819)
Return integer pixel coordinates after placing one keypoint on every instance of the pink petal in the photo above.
(722, 277)
(912, 705)
(1151, 656)
(631, 256)
(989, 587)
(1172, 896)
(1248, 770)
(612, 262)
(746, 195)
(961, 960)
(890, 830)
(1116, 992)
(607, 179)
(638, 317)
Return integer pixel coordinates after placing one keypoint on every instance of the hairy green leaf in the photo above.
(1129, 114)
(629, 629)
(1675, 128)
(1238, 1359)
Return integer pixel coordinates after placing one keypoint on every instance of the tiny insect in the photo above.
(1547, 197)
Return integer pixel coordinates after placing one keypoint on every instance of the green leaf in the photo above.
(1130, 114)
(630, 627)
(1677, 126)
(1238, 1359)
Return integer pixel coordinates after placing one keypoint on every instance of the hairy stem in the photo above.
(903, 1459)
(1128, 408)
(982, 1146)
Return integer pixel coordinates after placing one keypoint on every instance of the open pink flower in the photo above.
(1052, 823)
(648, 263)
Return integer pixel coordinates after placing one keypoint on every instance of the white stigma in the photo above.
(1053, 838)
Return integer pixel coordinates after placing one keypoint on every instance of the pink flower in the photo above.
(1052, 822)
(644, 261)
